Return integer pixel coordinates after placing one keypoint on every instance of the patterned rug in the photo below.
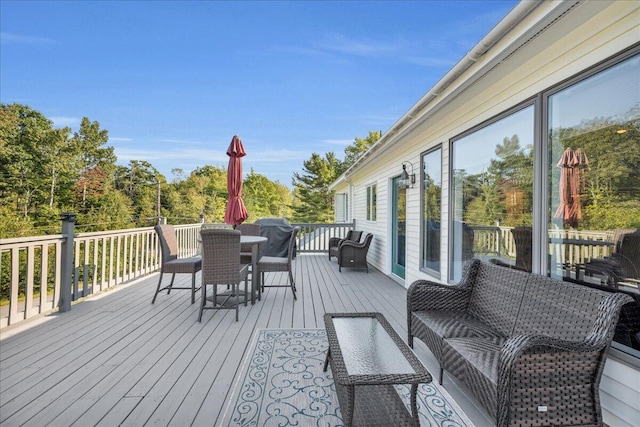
(281, 383)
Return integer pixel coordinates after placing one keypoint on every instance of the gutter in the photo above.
(513, 18)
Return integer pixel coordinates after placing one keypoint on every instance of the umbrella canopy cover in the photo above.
(236, 212)
(571, 181)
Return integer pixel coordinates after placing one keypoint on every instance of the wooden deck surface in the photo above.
(117, 360)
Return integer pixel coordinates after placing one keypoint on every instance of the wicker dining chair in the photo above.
(221, 267)
(172, 264)
(245, 249)
(268, 264)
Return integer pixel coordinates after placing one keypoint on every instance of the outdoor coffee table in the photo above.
(367, 358)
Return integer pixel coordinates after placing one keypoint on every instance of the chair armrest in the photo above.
(530, 361)
(335, 241)
(351, 243)
(428, 295)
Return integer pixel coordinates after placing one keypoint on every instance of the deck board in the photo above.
(116, 359)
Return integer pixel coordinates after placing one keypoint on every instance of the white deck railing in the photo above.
(34, 269)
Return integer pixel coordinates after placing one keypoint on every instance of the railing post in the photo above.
(68, 224)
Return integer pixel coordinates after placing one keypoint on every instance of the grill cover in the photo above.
(278, 232)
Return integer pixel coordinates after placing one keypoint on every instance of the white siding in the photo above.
(588, 34)
(620, 394)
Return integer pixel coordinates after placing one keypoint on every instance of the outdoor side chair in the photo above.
(334, 242)
(621, 266)
(268, 264)
(172, 264)
(245, 249)
(221, 267)
(522, 238)
(354, 254)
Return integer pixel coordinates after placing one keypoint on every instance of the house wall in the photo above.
(553, 43)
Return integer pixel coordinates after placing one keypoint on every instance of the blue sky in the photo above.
(172, 82)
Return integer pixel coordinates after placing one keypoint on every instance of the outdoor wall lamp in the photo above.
(407, 180)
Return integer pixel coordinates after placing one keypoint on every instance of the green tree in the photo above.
(139, 181)
(90, 155)
(358, 148)
(265, 198)
(315, 200)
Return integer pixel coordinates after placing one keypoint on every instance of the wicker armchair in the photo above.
(354, 254)
(221, 267)
(172, 264)
(334, 242)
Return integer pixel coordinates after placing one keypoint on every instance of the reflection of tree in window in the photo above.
(609, 196)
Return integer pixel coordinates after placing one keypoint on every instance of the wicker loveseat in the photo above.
(530, 348)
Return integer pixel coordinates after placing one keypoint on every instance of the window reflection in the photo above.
(431, 209)
(493, 192)
(594, 176)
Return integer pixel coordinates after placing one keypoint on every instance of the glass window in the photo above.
(594, 180)
(431, 209)
(371, 202)
(492, 193)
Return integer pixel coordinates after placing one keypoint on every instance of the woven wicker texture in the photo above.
(565, 312)
(334, 242)
(245, 249)
(274, 264)
(424, 295)
(359, 400)
(221, 266)
(475, 362)
(432, 326)
(497, 295)
(172, 264)
(354, 254)
(547, 371)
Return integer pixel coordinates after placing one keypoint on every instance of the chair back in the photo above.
(292, 245)
(367, 241)
(629, 255)
(220, 256)
(353, 235)
(168, 242)
(523, 240)
(249, 229)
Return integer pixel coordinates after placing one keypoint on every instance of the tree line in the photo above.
(45, 171)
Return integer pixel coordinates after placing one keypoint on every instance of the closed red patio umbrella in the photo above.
(236, 212)
(564, 185)
(571, 183)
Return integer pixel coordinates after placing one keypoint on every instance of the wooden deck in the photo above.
(116, 359)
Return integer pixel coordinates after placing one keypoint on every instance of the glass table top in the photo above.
(367, 348)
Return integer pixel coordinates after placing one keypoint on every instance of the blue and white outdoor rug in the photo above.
(281, 383)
